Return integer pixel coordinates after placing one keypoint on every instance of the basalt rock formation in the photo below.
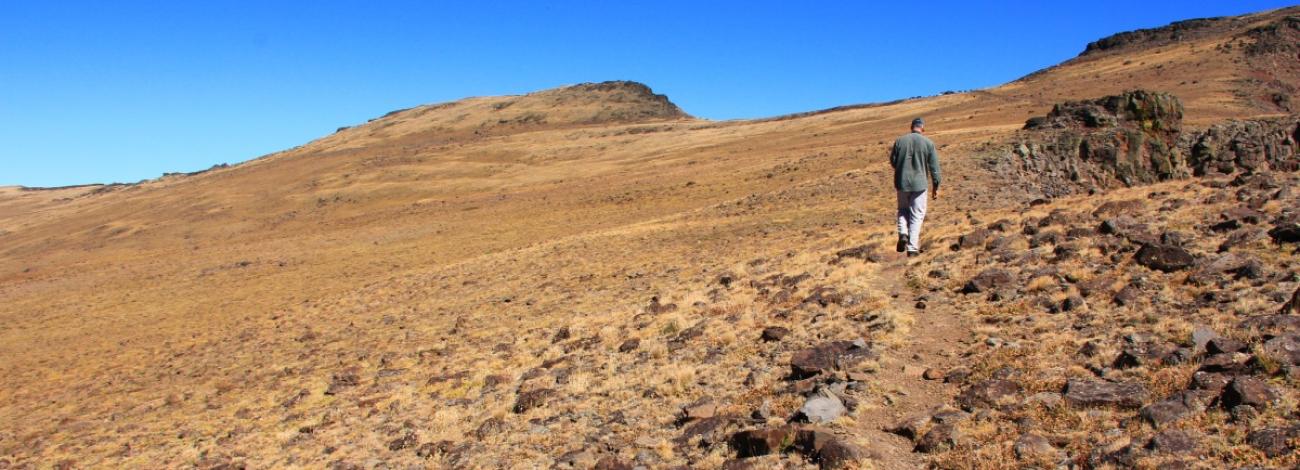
(1135, 138)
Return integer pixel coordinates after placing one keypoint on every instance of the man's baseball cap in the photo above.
(918, 122)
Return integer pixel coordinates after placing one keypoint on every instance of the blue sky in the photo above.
(122, 91)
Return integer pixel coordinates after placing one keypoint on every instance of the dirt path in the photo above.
(933, 341)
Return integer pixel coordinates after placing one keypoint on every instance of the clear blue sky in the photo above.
(119, 91)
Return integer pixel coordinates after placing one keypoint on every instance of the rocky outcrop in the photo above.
(1244, 146)
(1173, 32)
(1134, 138)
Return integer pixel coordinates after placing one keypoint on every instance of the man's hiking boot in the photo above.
(902, 244)
(912, 254)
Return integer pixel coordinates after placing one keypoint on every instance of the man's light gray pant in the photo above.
(911, 213)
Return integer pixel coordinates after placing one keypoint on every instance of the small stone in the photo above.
(407, 440)
(822, 406)
(957, 375)
(1167, 258)
(629, 345)
(1035, 447)
(774, 333)
(940, 438)
(532, 399)
(932, 374)
(704, 408)
(910, 427)
(991, 393)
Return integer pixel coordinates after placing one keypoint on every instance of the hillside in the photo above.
(590, 277)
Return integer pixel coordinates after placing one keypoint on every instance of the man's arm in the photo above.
(936, 174)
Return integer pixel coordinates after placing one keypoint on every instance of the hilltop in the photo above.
(589, 277)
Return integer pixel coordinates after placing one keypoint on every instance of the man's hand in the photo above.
(934, 194)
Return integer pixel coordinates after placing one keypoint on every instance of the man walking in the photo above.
(916, 165)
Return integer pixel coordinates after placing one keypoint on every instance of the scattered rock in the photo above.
(756, 442)
(1287, 232)
(610, 462)
(988, 280)
(1080, 392)
(532, 399)
(341, 381)
(940, 438)
(1248, 391)
(704, 408)
(932, 374)
(1178, 406)
(629, 345)
(1275, 441)
(775, 333)
(1035, 447)
(974, 239)
(828, 357)
(407, 440)
(822, 407)
(1172, 441)
(1167, 258)
(992, 393)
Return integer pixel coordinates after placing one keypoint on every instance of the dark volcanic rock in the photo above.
(940, 438)
(863, 252)
(1292, 307)
(1284, 349)
(1252, 145)
(756, 442)
(988, 280)
(1165, 258)
(1181, 405)
(532, 399)
(1248, 391)
(775, 333)
(993, 393)
(1173, 441)
(1093, 393)
(629, 345)
(1274, 442)
(974, 239)
(828, 357)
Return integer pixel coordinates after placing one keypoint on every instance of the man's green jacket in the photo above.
(913, 158)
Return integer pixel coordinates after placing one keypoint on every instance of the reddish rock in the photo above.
(835, 355)
(988, 280)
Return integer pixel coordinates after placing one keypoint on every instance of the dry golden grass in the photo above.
(190, 321)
